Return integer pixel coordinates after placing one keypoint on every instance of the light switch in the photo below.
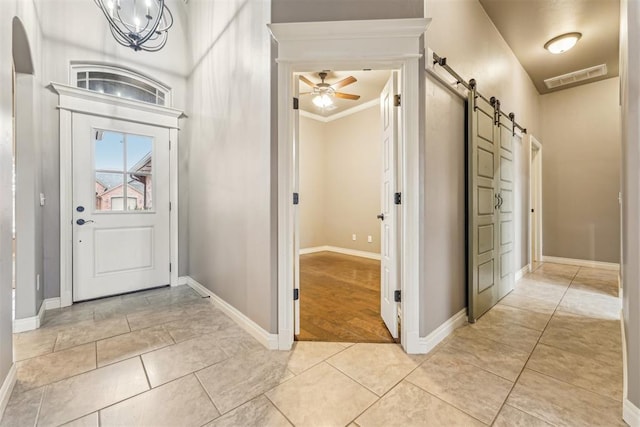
(42, 199)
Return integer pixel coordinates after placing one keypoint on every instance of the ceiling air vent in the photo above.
(576, 76)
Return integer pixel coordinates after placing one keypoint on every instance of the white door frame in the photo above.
(347, 45)
(535, 200)
(73, 100)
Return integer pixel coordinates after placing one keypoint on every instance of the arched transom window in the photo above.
(120, 82)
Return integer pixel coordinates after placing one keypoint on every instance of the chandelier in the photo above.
(138, 24)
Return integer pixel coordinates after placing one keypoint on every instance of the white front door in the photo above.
(388, 278)
(121, 218)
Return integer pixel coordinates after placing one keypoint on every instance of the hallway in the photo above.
(548, 354)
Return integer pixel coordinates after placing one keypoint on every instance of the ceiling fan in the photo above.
(326, 91)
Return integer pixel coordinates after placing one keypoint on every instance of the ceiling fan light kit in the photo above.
(562, 43)
(138, 24)
(324, 92)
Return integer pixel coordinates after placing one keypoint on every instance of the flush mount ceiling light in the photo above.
(138, 24)
(562, 43)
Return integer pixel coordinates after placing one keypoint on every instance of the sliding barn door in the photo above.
(505, 207)
(483, 168)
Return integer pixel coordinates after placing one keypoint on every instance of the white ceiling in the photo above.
(368, 86)
(526, 25)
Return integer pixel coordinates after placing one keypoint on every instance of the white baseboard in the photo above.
(29, 323)
(581, 262)
(524, 270)
(630, 413)
(270, 341)
(344, 251)
(434, 338)
(7, 388)
(183, 280)
(51, 303)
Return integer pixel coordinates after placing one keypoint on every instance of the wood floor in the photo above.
(340, 299)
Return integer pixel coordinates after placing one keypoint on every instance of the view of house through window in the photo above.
(123, 171)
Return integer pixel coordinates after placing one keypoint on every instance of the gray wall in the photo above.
(24, 10)
(231, 233)
(629, 70)
(312, 136)
(581, 172)
(340, 166)
(29, 230)
(444, 291)
(344, 10)
(454, 33)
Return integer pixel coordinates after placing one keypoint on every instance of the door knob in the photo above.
(381, 216)
(83, 222)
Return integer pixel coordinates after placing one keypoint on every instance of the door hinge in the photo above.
(169, 144)
(169, 267)
(296, 198)
(397, 198)
(295, 103)
(296, 294)
(397, 296)
(397, 100)
(169, 205)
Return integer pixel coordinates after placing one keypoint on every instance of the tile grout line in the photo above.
(146, 375)
(531, 354)
(272, 403)
(44, 390)
(208, 395)
(574, 385)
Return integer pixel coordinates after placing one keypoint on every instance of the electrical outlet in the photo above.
(37, 282)
(353, 237)
(370, 239)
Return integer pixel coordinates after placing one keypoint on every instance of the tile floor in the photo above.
(547, 354)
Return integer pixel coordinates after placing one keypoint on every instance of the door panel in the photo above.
(119, 247)
(483, 169)
(388, 278)
(507, 231)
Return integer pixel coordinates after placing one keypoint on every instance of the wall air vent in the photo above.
(576, 76)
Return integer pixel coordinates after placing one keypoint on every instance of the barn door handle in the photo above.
(497, 205)
(380, 217)
(501, 200)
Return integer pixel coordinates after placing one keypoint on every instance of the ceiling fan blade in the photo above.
(305, 93)
(344, 82)
(346, 96)
(307, 81)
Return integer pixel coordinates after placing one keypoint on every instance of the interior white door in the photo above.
(121, 218)
(483, 234)
(296, 209)
(388, 270)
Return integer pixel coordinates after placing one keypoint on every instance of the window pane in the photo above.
(140, 191)
(123, 90)
(109, 191)
(101, 75)
(109, 152)
(139, 153)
